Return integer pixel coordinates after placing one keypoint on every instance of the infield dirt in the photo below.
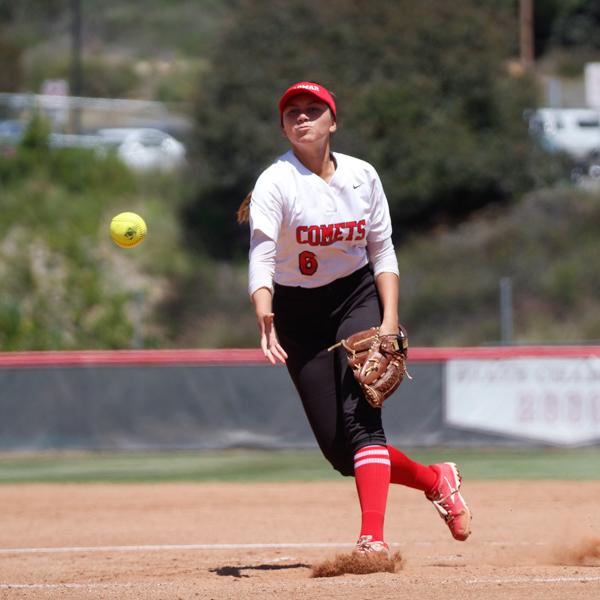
(260, 540)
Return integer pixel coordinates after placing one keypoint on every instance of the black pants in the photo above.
(307, 322)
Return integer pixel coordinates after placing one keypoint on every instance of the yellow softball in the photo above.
(127, 229)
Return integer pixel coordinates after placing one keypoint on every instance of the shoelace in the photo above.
(445, 505)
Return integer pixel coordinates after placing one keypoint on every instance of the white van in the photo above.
(144, 148)
(575, 131)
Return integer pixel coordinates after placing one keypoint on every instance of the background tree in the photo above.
(423, 91)
(10, 66)
(578, 25)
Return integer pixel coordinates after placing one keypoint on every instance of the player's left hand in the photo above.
(389, 327)
(377, 360)
(268, 340)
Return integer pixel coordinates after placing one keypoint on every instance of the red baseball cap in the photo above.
(308, 87)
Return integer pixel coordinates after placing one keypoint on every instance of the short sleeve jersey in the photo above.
(321, 229)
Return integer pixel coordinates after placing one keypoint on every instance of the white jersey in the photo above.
(321, 229)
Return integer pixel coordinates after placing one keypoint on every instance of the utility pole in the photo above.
(506, 310)
(526, 34)
(76, 82)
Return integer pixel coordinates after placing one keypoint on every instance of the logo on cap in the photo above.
(307, 86)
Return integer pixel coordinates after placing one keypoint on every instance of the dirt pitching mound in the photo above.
(357, 564)
(585, 553)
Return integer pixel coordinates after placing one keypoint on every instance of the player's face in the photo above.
(307, 119)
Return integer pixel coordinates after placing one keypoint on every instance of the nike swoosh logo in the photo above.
(355, 185)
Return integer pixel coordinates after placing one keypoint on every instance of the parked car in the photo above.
(587, 174)
(11, 132)
(141, 148)
(144, 148)
(574, 131)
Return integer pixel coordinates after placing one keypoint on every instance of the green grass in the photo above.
(284, 465)
(525, 464)
(230, 465)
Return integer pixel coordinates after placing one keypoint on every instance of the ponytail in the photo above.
(243, 212)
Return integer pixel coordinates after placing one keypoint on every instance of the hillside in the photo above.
(546, 243)
(63, 283)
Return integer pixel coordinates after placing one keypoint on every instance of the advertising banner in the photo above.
(554, 400)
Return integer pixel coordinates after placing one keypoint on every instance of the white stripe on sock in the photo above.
(372, 451)
(366, 461)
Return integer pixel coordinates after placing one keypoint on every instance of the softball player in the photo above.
(322, 267)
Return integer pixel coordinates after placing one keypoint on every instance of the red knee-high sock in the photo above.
(406, 471)
(372, 475)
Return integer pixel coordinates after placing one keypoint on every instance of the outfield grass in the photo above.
(283, 465)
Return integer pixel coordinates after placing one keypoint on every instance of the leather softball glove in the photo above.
(377, 361)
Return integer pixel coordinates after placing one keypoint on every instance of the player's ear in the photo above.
(333, 126)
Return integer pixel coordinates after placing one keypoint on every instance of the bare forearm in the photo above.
(263, 302)
(388, 288)
(263, 305)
